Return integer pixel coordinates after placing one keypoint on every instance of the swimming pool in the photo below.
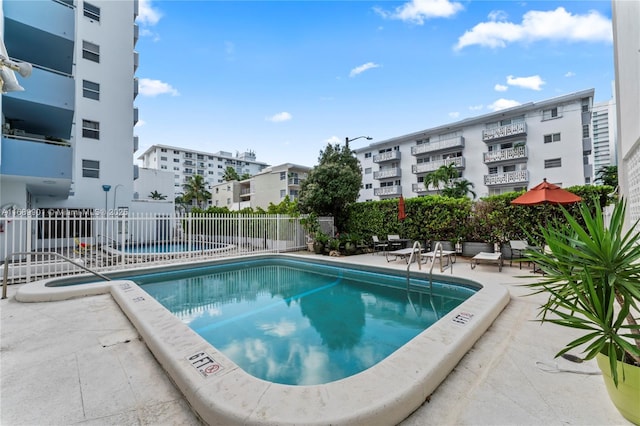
(286, 322)
(223, 393)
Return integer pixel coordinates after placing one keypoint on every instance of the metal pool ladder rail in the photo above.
(5, 276)
(417, 248)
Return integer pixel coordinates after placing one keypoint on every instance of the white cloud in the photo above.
(363, 68)
(454, 114)
(334, 140)
(534, 82)
(476, 107)
(280, 117)
(539, 25)
(140, 123)
(503, 104)
(570, 74)
(416, 11)
(500, 88)
(149, 87)
(147, 15)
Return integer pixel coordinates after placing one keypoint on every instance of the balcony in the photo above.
(386, 156)
(136, 61)
(517, 177)
(418, 188)
(502, 132)
(136, 143)
(135, 115)
(46, 107)
(294, 181)
(435, 165)
(42, 35)
(136, 87)
(386, 191)
(457, 142)
(517, 153)
(46, 166)
(388, 173)
(586, 145)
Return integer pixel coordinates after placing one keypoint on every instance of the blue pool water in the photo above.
(291, 322)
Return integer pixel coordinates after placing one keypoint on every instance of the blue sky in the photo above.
(284, 78)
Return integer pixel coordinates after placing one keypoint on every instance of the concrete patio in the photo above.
(81, 361)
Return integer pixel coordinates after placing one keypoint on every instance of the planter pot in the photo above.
(626, 396)
(318, 248)
(470, 249)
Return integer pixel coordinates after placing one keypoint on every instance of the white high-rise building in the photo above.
(185, 163)
(604, 135)
(67, 139)
(626, 42)
(512, 149)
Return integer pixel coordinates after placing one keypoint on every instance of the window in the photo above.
(90, 90)
(552, 163)
(367, 155)
(555, 137)
(548, 114)
(91, 11)
(176, 152)
(283, 193)
(163, 158)
(585, 104)
(90, 129)
(176, 168)
(422, 141)
(176, 160)
(163, 149)
(507, 169)
(90, 51)
(585, 130)
(90, 168)
(283, 176)
(368, 186)
(163, 167)
(367, 171)
(493, 170)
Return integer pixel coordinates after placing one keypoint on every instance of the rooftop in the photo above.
(81, 360)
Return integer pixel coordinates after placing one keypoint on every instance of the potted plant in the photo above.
(320, 243)
(591, 274)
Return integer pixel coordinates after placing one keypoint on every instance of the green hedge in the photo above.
(490, 219)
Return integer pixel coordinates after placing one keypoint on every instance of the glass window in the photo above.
(90, 90)
(90, 129)
(90, 168)
(90, 51)
(367, 155)
(555, 137)
(91, 11)
(552, 163)
(548, 114)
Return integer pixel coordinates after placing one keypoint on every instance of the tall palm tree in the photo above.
(444, 175)
(459, 189)
(155, 195)
(195, 189)
(230, 174)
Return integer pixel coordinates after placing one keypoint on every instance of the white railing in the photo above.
(506, 154)
(454, 142)
(386, 156)
(504, 131)
(435, 165)
(105, 243)
(519, 176)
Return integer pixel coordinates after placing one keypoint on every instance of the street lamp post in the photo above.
(115, 193)
(347, 140)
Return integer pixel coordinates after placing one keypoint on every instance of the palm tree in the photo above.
(459, 189)
(445, 175)
(155, 195)
(608, 175)
(195, 189)
(230, 174)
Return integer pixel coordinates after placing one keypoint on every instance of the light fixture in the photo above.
(347, 140)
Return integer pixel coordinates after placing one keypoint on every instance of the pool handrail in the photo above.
(5, 276)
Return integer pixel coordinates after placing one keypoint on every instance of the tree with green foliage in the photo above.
(195, 189)
(245, 176)
(460, 188)
(155, 195)
(230, 174)
(332, 185)
(608, 175)
(444, 176)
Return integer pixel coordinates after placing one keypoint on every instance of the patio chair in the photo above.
(517, 248)
(395, 243)
(378, 245)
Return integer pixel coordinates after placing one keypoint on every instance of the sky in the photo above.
(285, 78)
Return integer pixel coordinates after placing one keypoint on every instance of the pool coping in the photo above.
(221, 393)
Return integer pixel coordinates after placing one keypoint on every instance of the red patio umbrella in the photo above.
(546, 192)
(401, 213)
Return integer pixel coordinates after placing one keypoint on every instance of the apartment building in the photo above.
(67, 139)
(604, 137)
(185, 163)
(626, 42)
(508, 150)
(271, 185)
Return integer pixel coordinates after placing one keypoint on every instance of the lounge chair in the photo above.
(378, 245)
(485, 257)
(517, 248)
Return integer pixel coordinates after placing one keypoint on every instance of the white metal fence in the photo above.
(104, 243)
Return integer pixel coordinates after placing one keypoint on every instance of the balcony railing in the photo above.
(457, 142)
(386, 156)
(295, 181)
(387, 173)
(507, 131)
(516, 153)
(520, 176)
(435, 165)
(387, 190)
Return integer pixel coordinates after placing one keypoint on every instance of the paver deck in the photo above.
(81, 361)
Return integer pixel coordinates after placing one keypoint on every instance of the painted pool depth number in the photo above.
(204, 363)
(462, 318)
